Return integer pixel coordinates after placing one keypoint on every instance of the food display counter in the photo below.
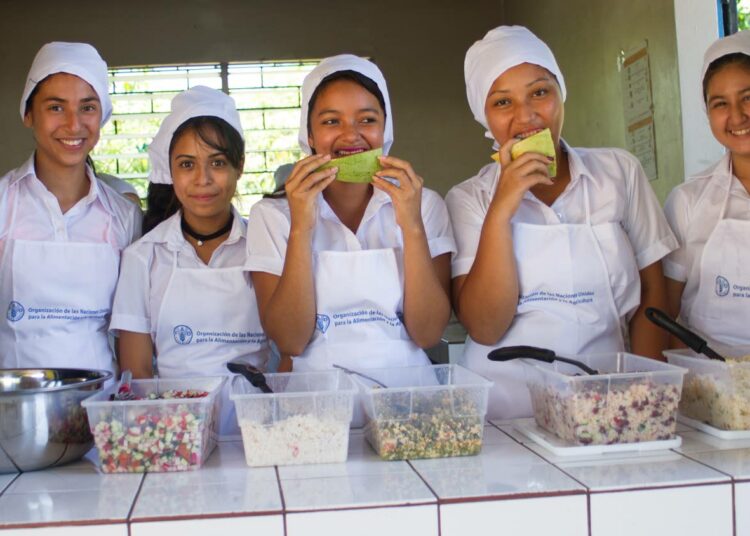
(512, 487)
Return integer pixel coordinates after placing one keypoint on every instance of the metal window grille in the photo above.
(267, 96)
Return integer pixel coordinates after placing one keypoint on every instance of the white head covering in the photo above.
(501, 49)
(738, 42)
(334, 64)
(79, 59)
(195, 102)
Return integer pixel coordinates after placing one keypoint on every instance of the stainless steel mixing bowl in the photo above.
(42, 423)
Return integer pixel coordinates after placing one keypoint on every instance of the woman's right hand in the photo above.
(302, 188)
(516, 178)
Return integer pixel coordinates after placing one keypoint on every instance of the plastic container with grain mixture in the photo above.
(424, 412)
(170, 426)
(304, 420)
(632, 399)
(714, 392)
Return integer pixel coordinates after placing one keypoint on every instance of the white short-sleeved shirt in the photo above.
(147, 267)
(618, 189)
(38, 215)
(693, 209)
(117, 184)
(270, 222)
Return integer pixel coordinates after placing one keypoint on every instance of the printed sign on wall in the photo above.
(638, 107)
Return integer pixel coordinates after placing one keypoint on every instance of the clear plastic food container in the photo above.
(716, 393)
(305, 420)
(159, 434)
(633, 399)
(424, 412)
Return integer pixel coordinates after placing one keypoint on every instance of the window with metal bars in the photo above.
(267, 96)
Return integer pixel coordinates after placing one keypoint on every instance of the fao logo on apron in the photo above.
(322, 322)
(15, 311)
(722, 286)
(183, 334)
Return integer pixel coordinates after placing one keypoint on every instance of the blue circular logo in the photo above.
(15, 311)
(183, 334)
(322, 322)
(722, 286)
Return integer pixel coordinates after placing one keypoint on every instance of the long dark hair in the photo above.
(718, 64)
(353, 76)
(215, 132)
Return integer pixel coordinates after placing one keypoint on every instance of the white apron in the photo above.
(56, 298)
(576, 283)
(209, 316)
(721, 310)
(359, 301)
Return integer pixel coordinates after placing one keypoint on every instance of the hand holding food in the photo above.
(406, 195)
(541, 143)
(302, 187)
(520, 173)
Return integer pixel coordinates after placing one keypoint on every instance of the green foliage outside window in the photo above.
(743, 14)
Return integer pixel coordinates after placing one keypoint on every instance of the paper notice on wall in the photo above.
(638, 108)
(640, 140)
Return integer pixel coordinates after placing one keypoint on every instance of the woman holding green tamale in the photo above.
(351, 273)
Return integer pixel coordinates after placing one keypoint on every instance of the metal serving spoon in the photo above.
(365, 376)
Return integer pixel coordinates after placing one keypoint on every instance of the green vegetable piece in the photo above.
(541, 143)
(358, 167)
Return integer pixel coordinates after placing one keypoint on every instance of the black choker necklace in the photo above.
(201, 238)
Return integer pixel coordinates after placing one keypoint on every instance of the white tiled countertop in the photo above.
(512, 487)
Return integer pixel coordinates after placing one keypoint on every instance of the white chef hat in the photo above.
(79, 59)
(501, 49)
(738, 42)
(334, 64)
(197, 101)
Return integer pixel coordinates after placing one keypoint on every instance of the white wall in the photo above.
(697, 27)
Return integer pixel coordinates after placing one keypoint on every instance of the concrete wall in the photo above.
(586, 38)
(419, 45)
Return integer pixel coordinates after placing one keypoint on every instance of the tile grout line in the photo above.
(281, 495)
(734, 511)
(437, 498)
(689, 457)
(550, 462)
(135, 500)
(9, 484)
(574, 479)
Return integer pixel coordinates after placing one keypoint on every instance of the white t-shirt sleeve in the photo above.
(136, 225)
(644, 220)
(130, 309)
(467, 217)
(267, 237)
(676, 209)
(437, 224)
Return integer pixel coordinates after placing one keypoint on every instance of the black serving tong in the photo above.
(507, 353)
(251, 374)
(694, 341)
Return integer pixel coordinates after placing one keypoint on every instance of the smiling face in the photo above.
(65, 116)
(728, 105)
(204, 180)
(524, 100)
(345, 119)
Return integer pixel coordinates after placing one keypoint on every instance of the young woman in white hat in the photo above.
(61, 230)
(567, 262)
(350, 274)
(707, 277)
(183, 294)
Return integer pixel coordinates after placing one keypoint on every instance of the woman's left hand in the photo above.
(406, 195)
